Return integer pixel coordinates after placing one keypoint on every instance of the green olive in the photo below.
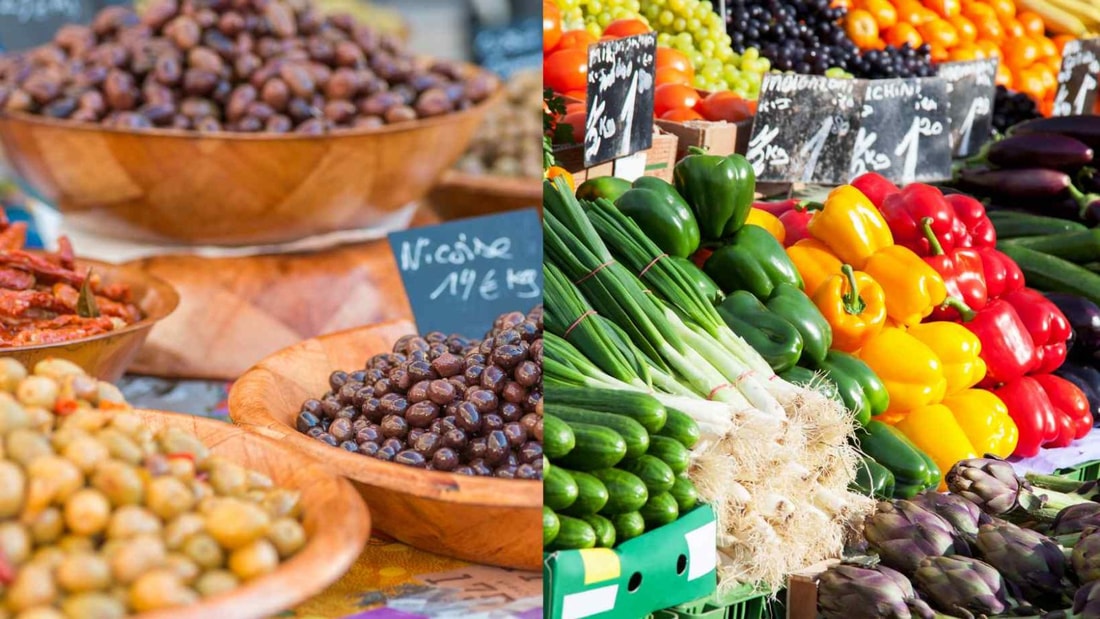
(119, 482)
(204, 551)
(93, 606)
(227, 478)
(176, 441)
(11, 373)
(282, 502)
(255, 559)
(121, 446)
(235, 523)
(15, 542)
(109, 393)
(12, 489)
(169, 497)
(160, 589)
(132, 520)
(183, 567)
(49, 556)
(64, 476)
(259, 481)
(287, 535)
(87, 512)
(55, 368)
(40, 612)
(37, 391)
(76, 543)
(24, 445)
(12, 414)
(215, 582)
(84, 571)
(181, 528)
(33, 586)
(79, 387)
(47, 526)
(85, 452)
(137, 556)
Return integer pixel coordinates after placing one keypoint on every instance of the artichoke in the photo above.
(1076, 518)
(963, 515)
(1030, 561)
(1086, 602)
(992, 485)
(856, 592)
(1086, 556)
(962, 586)
(903, 533)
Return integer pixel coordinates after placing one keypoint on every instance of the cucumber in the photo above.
(596, 448)
(1077, 247)
(574, 533)
(558, 489)
(1010, 225)
(557, 437)
(632, 432)
(1052, 274)
(687, 498)
(643, 408)
(659, 510)
(605, 531)
(591, 495)
(628, 526)
(550, 526)
(682, 427)
(674, 454)
(625, 492)
(653, 472)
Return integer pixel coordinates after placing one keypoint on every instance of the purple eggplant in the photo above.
(1023, 183)
(1084, 317)
(1050, 150)
(1062, 208)
(1087, 379)
(1084, 127)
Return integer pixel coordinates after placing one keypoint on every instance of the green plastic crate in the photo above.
(743, 602)
(1086, 471)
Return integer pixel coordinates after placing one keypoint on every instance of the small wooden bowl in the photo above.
(459, 195)
(336, 521)
(477, 519)
(162, 185)
(107, 356)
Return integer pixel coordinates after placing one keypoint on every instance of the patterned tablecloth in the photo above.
(390, 580)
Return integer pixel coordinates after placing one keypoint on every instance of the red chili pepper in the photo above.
(1031, 409)
(700, 257)
(1047, 325)
(962, 275)
(66, 406)
(1069, 400)
(777, 208)
(1002, 274)
(1007, 348)
(181, 455)
(794, 222)
(906, 210)
(7, 570)
(875, 186)
(979, 230)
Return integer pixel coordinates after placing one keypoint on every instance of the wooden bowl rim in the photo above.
(130, 275)
(487, 183)
(437, 485)
(351, 525)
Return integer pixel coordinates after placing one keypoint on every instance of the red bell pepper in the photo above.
(962, 274)
(975, 230)
(1047, 325)
(1031, 409)
(1007, 348)
(794, 223)
(1002, 274)
(875, 187)
(701, 256)
(1068, 399)
(779, 207)
(906, 210)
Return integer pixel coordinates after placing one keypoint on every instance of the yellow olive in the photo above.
(40, 612)
(235, 523)
(120, 445)
(255, 559)
(287, 535)
(15, 542)
(136, 557)
(204, 551)
(168, 497)
(11, 373)
(182, 527)
(93, 606)
(62, 474)
(160, 589)
(215, 582)
(37, 391)
(12, 414)
(87, 512)
(82, 572)
(56, 368)
(185, 568)
(132, 520)
(33, 586)
(47, 526)
(227, 478)
(12, 489)
(119, 482)
(86, 453)
(25, 445)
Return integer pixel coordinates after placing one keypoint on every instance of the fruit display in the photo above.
(508, 142)
(1012, 108)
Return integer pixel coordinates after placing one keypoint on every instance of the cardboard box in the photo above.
(658, 160)
(665, 567)
(717, 138)
(802, 591)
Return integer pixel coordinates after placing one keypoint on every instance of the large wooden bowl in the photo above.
(477, 519)
(336, 521)
(460, 195)
(107, 356)
(229, 188)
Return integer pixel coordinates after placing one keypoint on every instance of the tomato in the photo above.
(681, 114)
(551, 25)
(668, 75)
(565, 70)
(725, 106)
(573, 108)
(862, 29)
(575, 120)
(579, 95)
(1021, 53)
(626, 28)
(674, 59)
(671, 96)
(576, 39)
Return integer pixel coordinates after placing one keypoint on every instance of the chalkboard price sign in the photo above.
(971, 88)
(803, 129)
(29, 23)
(621, 79)
(1079, 78)
(459, 276)
(904, 131)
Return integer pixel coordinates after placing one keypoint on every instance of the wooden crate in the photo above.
(658, 160)
(717, 138)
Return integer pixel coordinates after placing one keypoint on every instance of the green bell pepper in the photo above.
(773, 337)
(890, 448)
(702, 282)
(873, 479)
(753, 260)
(719, 189)
(607, 187)
(662, 215)
(861, 389)
(799, 310)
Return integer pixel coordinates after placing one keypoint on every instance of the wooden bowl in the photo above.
(108, 355)
(163, 185)
(477, 519)
(460, 195)
(336, 521)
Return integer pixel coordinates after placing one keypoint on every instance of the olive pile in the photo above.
(509, 142)
(445, 403)
(100, 517)
(233, 65)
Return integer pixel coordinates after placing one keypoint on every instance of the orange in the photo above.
(944, 8)
(883, 11)
(901, 34)
(1021, 53)
(571, 39)
(1048, 77)
(939, 33)
(1005, 9)
(1061, 40)
(939, 53)
(626, 28)
(862, 29)
(1032, 23)
(551, 25)
(1047, 48)
(990, 48)
(968, 33)
(1013, 29)
(1027, 81)
(669, 75)
(1004, 76)
(1054, 63)
(985, 20)
(911, 12)
(965, 51)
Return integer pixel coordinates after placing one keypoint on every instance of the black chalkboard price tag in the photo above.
(971, 88)
(29, 23)
(621, 79)
(904, 131)
(509, 48)
(459, 276)
(803, 129)
(1079, 78)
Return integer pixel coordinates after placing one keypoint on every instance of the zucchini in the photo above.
(628, 526)
(654, 473)
(659, 510)
(1077, 247)
(605, 531)
(632, 432)
(641, 407)
(591, 495)
(682, 427)
(574, 533)
(890, 448)
(550, 526)
(1052, 274)
(687, 498)
(674, 454)
(1010, 225)
(625, 492)
(596, 448)
(557, 437)
(558, 489)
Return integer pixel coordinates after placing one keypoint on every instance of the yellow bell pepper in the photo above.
(985, 420)
(815, 263)
(851, 226)
(958, 349)
(913, 374)
(913, 289)
(934, 431)
(853, 305)
(767, 221)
